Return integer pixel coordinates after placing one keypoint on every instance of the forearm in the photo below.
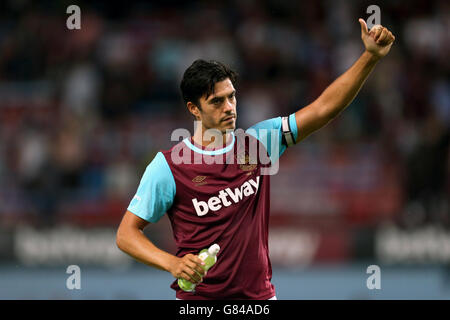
(341, 92)
(137, 245)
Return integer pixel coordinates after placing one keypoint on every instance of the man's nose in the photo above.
(229, 106)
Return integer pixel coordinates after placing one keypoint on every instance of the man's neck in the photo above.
(209, 140)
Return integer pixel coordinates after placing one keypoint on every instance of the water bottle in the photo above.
(209, 256)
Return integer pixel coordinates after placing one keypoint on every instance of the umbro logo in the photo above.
(199, 180)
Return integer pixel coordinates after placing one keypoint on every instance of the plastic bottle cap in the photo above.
(214, 249)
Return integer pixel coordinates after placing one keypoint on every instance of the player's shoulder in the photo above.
(158, 162)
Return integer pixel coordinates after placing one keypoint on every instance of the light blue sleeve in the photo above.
(156, 191)
(269, 133)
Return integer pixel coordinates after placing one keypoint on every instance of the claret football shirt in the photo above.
(219, 196)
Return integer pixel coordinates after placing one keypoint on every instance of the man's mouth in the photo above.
(228, 118)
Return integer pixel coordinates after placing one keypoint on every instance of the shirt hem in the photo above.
(200, 297)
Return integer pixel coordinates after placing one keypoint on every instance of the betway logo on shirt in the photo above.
(226, 197)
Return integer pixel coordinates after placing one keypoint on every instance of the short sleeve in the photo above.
(269, 133)
(156, 191)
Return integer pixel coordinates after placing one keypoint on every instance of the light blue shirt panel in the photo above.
(269, 131)
(156, 191)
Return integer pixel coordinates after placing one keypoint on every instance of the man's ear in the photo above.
(193, 109)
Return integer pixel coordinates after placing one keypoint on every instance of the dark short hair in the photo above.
(200, 78)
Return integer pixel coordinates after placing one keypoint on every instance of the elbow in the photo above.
(332, 115)
(325, 115)
(329, 112)
(322, 112)
(120, 239)
(128, 232)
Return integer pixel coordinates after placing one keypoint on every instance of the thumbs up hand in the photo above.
(378, 40)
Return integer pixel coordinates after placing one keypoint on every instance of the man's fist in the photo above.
(188, 267)
(378, 41)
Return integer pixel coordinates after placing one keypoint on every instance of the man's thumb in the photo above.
(363, 26)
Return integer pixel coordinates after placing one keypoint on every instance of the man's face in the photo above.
(218, 110)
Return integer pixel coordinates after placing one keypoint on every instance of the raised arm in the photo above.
(341, 92)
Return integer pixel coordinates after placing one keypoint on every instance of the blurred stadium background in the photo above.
(82, 113)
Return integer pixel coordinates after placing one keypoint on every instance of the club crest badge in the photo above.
(245, 162)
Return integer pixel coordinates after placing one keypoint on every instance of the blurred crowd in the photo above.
(82, 112)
